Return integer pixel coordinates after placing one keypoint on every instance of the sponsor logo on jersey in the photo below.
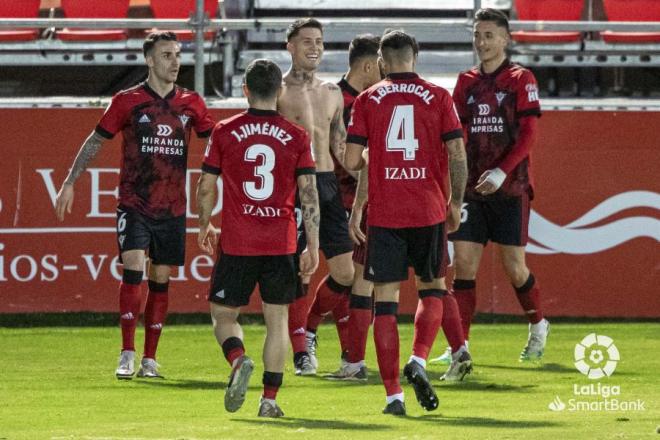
(164, 130)
(184, 120)
(411, 173)
(484, 109)
(144, 119)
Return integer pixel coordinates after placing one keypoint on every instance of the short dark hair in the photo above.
(398, 41)
(294, 28)
(495, 15)
(365, 45)
(263, 78)
(155, 37)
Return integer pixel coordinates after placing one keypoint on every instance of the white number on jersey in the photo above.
(401, 132)
(264, 189)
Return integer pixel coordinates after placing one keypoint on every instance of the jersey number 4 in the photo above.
(263, 188)
(401, 132)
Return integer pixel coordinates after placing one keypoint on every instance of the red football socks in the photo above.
(341, 316)
(358, 326)
(130, 298)
(427, 321)
(297, 319)
(386, 337)
(233, 348)
(155, 313)
(328, 294)
(529, 298)
(451, 322)
(465, 292)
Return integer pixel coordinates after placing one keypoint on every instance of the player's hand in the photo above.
(309, 262)
(207, 239)
(490, 181)
(354, 231)
(453, 218)
(64, 201)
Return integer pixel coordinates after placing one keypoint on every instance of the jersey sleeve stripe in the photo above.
(303, 171)
(355, 139)
(204, 134)
(529, 112)
(455, 134)
(103, 132)
(211, 170)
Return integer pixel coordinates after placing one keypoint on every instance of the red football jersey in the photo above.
(156, 133)
(260, 156)
(406, 121)
(490, 106)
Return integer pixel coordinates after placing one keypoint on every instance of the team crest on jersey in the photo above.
(470, 100)
(144, 119)
(121, 239)
(500, 97)
(184, 120)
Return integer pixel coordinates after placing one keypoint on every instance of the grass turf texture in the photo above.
(59, 383)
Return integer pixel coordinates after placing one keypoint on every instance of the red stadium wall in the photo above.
(594, 231)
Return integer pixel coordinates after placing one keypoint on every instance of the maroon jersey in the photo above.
(156, 134)
(490, 106)
(406, 121)
(347, 184)
(260, 155)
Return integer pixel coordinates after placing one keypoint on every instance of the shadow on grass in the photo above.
(299, 422)
(184, 384)
(472, 385)
(551, 367)
(486, 422)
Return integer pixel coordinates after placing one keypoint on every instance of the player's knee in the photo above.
(343, 274)
(465, 266)
(517, 272)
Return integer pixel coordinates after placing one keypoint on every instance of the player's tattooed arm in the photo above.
(338, 136)
(311, 214)
(86, 154)
(458, 171)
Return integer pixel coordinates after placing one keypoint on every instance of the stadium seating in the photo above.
(183, 9)
(100, 9)
(19, 9)
(548, 10)
(632, 10)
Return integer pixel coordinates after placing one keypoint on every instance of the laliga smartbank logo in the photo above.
(596, 356)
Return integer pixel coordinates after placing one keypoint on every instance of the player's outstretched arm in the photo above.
(357, 235)
(309, 201)
(87, 152)
(458, 173)
(207, 238)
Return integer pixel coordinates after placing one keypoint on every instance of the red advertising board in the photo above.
(595, 226)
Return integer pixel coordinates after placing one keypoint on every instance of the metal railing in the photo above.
(199, 23)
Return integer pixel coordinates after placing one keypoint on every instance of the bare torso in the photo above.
(317, 106)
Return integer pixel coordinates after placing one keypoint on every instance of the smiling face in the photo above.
(306, 48)
(164, 61)
(490, 41)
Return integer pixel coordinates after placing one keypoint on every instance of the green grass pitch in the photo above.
(58, 383)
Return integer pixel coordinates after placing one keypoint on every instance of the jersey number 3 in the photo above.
(401, 132)
(263, 188)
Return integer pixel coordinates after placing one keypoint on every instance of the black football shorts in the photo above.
(164, 240)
